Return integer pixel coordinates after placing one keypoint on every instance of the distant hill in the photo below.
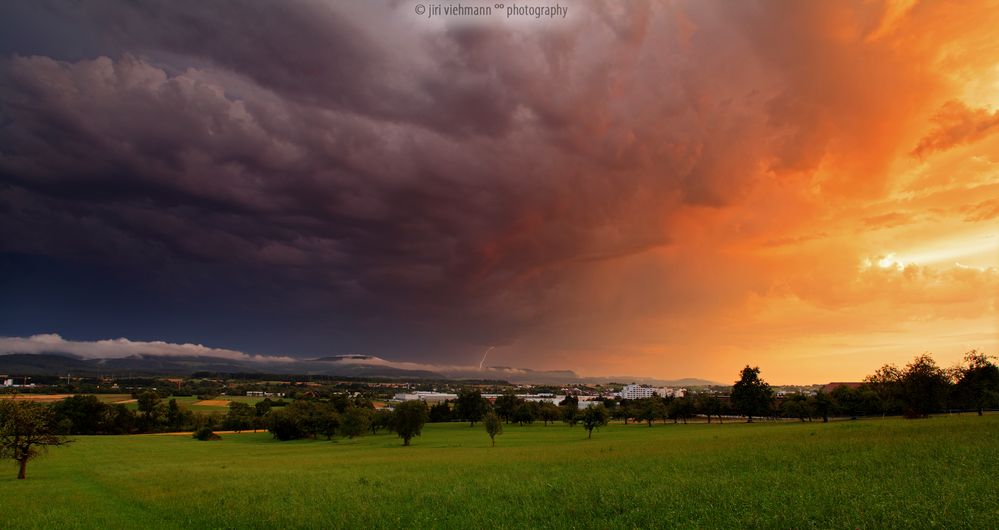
(355, 366)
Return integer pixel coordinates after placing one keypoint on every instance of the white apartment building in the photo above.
(427, 397)
(642, 392)
(637, 392)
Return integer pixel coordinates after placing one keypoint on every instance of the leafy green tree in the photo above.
(471, 406)
(148, 404)
(340, 401)
(119, 420)
(327, 422)
(977, 382)
(549, 412)
(440, 412)
(680, 409)
(409, 418)
(620, 412)
(493, 426)
(240, 416)
(651, 409)
(27, 430)
(593, 417)
(709, 405)
(206, 434)
(506, 406)
(356, 421)
(752, 396)
(177, 416)
(570, 410)
(796, 406)
(84, 414)
(381, 419)
(283, 425)
(262, 407)
(525, 413)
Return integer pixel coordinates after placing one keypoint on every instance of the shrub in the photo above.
(206, 434)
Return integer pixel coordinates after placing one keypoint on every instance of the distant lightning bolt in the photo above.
(483, 361)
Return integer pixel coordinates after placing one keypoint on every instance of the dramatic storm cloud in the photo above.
(663, 188)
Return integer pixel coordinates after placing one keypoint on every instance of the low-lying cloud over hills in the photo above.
(52, 354)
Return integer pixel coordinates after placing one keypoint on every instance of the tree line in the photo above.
(914, 391)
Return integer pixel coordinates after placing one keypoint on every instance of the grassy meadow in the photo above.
(893, 473)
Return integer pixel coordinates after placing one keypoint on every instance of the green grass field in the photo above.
(192, 403)
(941, 472)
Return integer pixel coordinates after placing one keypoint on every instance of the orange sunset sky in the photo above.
(857, 221)
(667, 189)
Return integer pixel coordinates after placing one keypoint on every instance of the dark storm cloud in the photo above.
(437, 182)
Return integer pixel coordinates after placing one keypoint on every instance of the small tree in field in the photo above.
(977, 382)
(239, 417)
(380, 419)
(205, 434)
(593, 417)
(652, 409)
(356, 421)
(408, 419)
(752, 396)
(26, 431)
(471, 406)
(924, 387)
(822, 405)
(549, 412)
(494, 426)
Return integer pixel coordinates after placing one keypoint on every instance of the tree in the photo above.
(177, 417)
(284, 425)
(570, 410)
(886, 383)
(205, 434)
(622, 411)
(119, 420)
(493, 425)
(823, 405)
(593, 417)
(680, 409)
(409, 418)
(796, 406)
(239, 417)
(977, 382)
(848, 400)
(924, 387)
(327, 422)
(148, 405)
(356, 421)
(27, 430)
(525, 413)
(263, 407)
(83, 414)
(440, 412)
(471, 406)
(506, 406)
(709, 405)
(549, 412)
(340, 401)
(651, 409)
(752, 396)
(381, 419)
